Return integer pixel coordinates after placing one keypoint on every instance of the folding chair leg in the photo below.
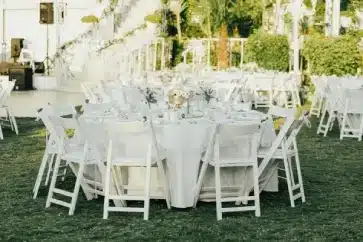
(321, 123)
(321, 100)
(13, 121)
(9, 118)
(1, 133)
(256, 190)
(50, 167)
(65, 172)
(147, 192)
(53, 181)
(289, 160)
(165, 184)
(332, 122)
(106, 202)
(217, 178)
(342, 128)
(76, 188)
(360, 130)
(288, 180)
(244, 189)
(200, 182)
(299, 175)
(42, 167)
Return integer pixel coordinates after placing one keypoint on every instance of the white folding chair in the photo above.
(285, 152)
(291, 88)
(332, 104)
(4, 95)
(224, 92)
(132, 144)
(92, 153)
(352, 106)
(319, 95)
(232, 145)
(262, 89)
(52, 142)
(94, 92)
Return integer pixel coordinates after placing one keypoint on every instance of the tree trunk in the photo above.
(223, 57)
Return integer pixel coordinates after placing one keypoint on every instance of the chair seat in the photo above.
(233, 163)
(262, 152)
(71, 143)
(133, 161)
(76, 156)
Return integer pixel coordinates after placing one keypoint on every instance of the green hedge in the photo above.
(332, 56)
(268, 51)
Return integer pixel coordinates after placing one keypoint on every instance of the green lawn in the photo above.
(333, 177)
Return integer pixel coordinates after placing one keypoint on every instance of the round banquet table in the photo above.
(184, 143)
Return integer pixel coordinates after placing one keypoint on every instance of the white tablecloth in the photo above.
(185, 143)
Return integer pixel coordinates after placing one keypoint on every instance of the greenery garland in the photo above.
(108, 11)
(122, 39)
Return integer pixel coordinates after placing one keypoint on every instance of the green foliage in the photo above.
(89, 19)
(332, 56)
(177, 52)
(308, 3)
(319, 11)
(355, 33)
(155, 17)
(268, 51)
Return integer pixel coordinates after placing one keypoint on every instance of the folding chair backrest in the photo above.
(94, 133)
(57, 130)
(224, 91)
(295, 128)
(354, 101)
(236, 142)
(94, 110)
(133, 141)
(263, 82)
(61, 110)
(289, 116)
(94, 92)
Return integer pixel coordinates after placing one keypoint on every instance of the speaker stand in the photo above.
(47, 61)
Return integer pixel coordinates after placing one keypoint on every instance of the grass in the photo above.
(332, 171)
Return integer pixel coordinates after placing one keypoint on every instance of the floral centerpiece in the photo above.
(177, 97)
(207, 94)
(149, 96)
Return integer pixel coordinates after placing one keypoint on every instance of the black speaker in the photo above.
(16, 45)
(46, 13)
(23, 78)
(39, 67)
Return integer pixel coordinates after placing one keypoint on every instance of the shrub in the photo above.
(268, 51)
(332, 56)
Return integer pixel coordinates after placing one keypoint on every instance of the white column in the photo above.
(2, 31)
(147, 52)
(328, 17)
(155, 54)
(209, 52)
(277, 15)
(336, 18)
(162, 54)
(296, 13)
